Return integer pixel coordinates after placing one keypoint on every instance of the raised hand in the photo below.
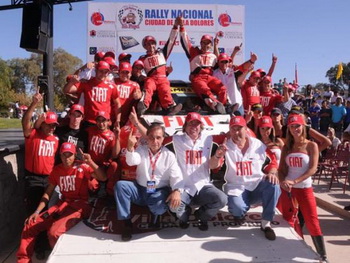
(85, 156)
(274, 58)
(253, 57)
(37, 97)
(131, 142)
(221, 150)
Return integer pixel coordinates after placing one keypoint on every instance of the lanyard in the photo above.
(153, 163)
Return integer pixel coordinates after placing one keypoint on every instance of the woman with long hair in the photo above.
(266, 134)
(298, 163)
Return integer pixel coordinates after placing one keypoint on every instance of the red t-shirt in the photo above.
(73, 181)
(40, 152)
(250, 94)
(101, 144)
(98, 96)
(269, 100)
(127, 172)
(126, 98)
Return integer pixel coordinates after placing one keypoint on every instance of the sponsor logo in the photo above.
(92, 50)
(102, 33)
(128, 42)
(225, 20)
(97, 19)
(130, 16)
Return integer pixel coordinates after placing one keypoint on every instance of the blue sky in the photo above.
(312, 33)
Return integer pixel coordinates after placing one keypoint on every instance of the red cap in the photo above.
(260, 70)
(51, 118)
(291, 87)
(125, 66)
(103, 114)
(111, 62)
(138, 63)
(99, 55)
(296, 119)
(224, 57)
(238, 121)
(207, 37)
(68, 147)
(102, 65)
(265, 121)
(267, 79)
(109, 54)
(69, 77)
(124, 56)
(77, 107)
(146, 39)
(192, 116)
(255, 74)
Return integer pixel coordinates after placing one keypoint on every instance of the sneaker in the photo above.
(141, 108)
(220, 108)
(211, 104)
(269, 233)
(172, 110)
(202, 225)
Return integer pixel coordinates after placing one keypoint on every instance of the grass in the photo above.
(10, 123)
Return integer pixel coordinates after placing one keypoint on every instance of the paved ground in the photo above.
(11, 138)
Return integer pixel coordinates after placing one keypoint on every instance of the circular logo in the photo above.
(224, 20)
(97, 18)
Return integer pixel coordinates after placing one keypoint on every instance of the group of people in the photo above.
(103, 149)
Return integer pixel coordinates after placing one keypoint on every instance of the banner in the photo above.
(120, 27)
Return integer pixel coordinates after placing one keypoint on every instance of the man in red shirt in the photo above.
(250, 91)
(99, 94)
(40, 149)
(268, 97)
(128, 91)
(155, 67)
(72, 178)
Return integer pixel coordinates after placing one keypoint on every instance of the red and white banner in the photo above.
(120, 27)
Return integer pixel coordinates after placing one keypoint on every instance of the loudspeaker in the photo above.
(36, 27)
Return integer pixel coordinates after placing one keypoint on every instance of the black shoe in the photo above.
(347, 208)
(126, 233)
(155, 221)
(141, 108)
(202, 225)
(269, 233)
(184, 223)
(220, 108)
(172, 110)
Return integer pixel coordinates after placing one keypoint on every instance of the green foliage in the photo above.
(10, 123)
(345, 78)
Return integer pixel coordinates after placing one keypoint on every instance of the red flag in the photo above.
(296, 74)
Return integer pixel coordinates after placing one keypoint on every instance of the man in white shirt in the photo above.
(193, 151)
(250, 175)
(158, 179)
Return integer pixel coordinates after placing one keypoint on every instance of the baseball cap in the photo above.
(68, 147)
(102, 65)
(191, 116)
(267, 79)
(224, 57)
(257, 106)
(255, 74)
(291, 87)
(276, 111)
(109, 54)
(111, 62)
(265, 121)
(238, 121)
(296, 119)
(124, 56)
(206, 37)
(297, 110)
(103, 114)
(125, 66)
(77, 107)
(51, 118)
(146, 39)
(138, 63)
(99, 56)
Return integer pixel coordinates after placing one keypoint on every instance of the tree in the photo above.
(6, 93)
(344, 81)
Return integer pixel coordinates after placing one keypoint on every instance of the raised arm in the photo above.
(272, 67)
(26, 123)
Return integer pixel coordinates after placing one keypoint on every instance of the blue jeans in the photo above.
(209, 198)
(265, 193)
(128, 192)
